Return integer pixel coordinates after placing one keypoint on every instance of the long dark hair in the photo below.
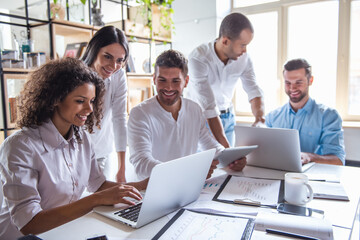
(102, 38)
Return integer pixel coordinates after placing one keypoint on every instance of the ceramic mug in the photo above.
(297, 189)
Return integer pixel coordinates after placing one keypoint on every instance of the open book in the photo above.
(306, 226)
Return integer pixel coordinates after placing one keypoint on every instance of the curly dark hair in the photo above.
(50, 84)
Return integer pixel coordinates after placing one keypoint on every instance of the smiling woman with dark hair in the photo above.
(46, 166)
(107, 53)
(50, 85)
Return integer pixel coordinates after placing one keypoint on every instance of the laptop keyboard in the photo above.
(131, 213)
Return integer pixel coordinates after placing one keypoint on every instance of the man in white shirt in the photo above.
(167, 126)
(214, 70)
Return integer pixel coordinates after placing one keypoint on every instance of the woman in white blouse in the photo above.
(107, 53)
(46, 166)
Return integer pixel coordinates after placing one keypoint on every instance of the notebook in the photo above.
(171, 186)
(278, 148)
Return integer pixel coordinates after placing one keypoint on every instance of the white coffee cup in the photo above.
(297, 189)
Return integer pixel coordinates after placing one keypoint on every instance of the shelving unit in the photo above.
(69, 32)
(12, 81)
(140, 87)
(52, 36)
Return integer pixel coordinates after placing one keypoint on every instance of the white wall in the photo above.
(351, 137)
(197, 22)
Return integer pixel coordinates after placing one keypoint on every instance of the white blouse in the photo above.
(41, 170)
(113, 124)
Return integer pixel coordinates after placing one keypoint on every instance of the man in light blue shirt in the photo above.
(320, 127)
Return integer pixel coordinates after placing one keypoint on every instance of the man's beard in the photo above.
(168, 102)
(297, 99)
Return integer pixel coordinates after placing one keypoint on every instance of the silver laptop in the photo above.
(279, 148)
(171, 186)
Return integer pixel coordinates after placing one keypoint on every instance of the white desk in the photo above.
(343, 215)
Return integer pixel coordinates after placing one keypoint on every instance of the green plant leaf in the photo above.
(83, 1)
(166, 21)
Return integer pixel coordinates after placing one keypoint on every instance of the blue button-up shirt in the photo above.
(320, 127)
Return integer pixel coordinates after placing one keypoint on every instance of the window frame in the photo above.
(343, 51)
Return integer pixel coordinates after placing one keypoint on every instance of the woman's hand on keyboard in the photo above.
(116, 194)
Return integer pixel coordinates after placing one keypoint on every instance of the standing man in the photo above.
(168, 126)
(320, 127)
(215, 69)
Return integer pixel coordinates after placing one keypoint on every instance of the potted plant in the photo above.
(156, 15)
(57, 10)
(96, 14)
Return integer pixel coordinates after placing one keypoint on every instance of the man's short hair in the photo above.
(233, 24)
(298, 63)
(172, 59)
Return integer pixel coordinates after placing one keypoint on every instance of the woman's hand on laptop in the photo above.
(212, 168)
(238, 165)
(116, 194)
(141, 185)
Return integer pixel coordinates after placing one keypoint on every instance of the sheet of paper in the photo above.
(219, 207)
(308, 226)
(191, 225)
(328, 190)
(125, 238)
(264, 191)
(212, 185)
(323, 177)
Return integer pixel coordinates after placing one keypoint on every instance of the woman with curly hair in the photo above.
(107, 53)
(46, 166)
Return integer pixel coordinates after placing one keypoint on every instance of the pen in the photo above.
(325, 180)
(247, 201)
(318, 180)
(288, 234)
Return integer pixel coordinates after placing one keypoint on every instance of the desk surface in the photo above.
(343, 215)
